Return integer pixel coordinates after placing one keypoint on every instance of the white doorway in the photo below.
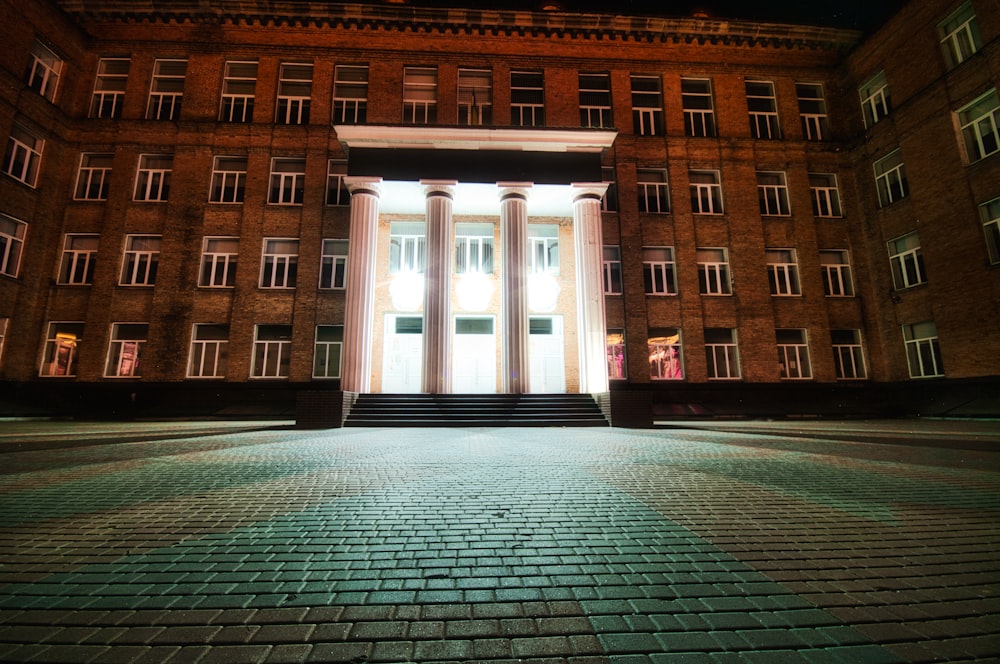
(545, 354)
(402, 354)
(474, 363)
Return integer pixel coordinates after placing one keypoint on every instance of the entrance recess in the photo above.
(402, 356)
(545, 354)
(474, 365)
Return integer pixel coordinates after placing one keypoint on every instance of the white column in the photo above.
(437, 287)
(356, 363)
(589, 246)
(514, 286)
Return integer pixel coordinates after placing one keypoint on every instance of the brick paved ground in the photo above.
(494, 545)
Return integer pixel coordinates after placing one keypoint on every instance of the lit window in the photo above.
(654, 194)
(890, 179)
(407, 247)
(218, 262)
(836, 267)
(62, 342)
(294, 94)
(782, 272)
(812, 111)
(706, 192)
(327, 353)
(595, 100)
(350, 94)
(793, 354)
(229, 180)
(848, 354)
(141, 260)
(152, 182)
(612, 264)
(763, 107)
(94, 177)
(923, 350)
(713, 272)
(280, 263)
(543, 249)
(128, 340)
(12, 234)
(475, 97)
(43, 71)
(609, 203)
(109, 88)
(875, 102)
(527, 99)
(617, 365)
(239, 88)
(906, 261)
(959, 34)
(979, 126)
(990, 214)
(420, 95)
(23, 156)
(76, 268)
(665, 358)
(772, 193)
(337, 192)
(825, 195)
(209, 352)
(333, 264)
(288, 178)
(272, 351)
(659, 271)
(473, 248)
(647, 105)
(699, 114)
(166, 90)
(721, 353)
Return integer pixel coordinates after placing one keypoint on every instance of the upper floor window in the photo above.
(783, 272)
(609, 202)
(595, 100)
(923, 350)
(420, 95)
(654, 193)
(152, 182)
(141, 260)
(848, 354)
(239, 88)
(12, 232)
(294, 93)
(890, 178)
(793, 354)
(166, 90)
(665, 354)
(772, 193)
(288, 178)
(875, 102)
(722, 353)
(473, 248)
(475, 97)
(979, 122)
(959, 34)
(706, 192)
(76, 268)
(825, 194)
(109, 88)
(647, 105)
(23, 155)
(812, 111)
(280, 263)
(94, 177)
(272, 351)
(350, 94)
(699, 114)
(327, 352)
(907, 261)
(209, 351)
(337, 192)
(763, 107)
(229, 180)
(62, 343)
(713, 271)
(527, 98)
(990, 214)
(333, 264)
(218, 262)
(407, 246)
(836, 266)
(43, 71)
(612, 264)
(543, 249)
(659, 271)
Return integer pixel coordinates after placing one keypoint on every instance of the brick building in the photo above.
(219, 207)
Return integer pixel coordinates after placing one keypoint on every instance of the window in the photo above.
(772, 193)
(595, 100)
(420, 95)
(350, 94)
(272, 351)
(209, 351)
(959, 34)
(475, 97)
(848, 355)
(875, 102)
(142, 258)
(229, 180)
(294, 94)
(782, 272)
(166, 90)
(94, 177)
(218, 262)
(337, 192)
(713, 272)
(721, 353)
(659, 272)
(280, 263)
(699, 115)
(527, 98)
(836, 266)
(654, 195)
(543, 249)
(152, 182)
(24, 153)
(609, 203)
(617, 366)
(647, 105)
(326, 356)
(43, 71)
(62, 341)
(12, 234)
(763, 108)
(990, 214)
(109, 88)
(407, 246)
(333, 264)
(923, 350)
(125, 350)
(906, 261)
(288, 178)
(706, 192)
(979, 126)
(473, 248)
(890, 179)
(612, 270)
(665, 354)
(4, 326)
(76, 268)
(238, 90)
(825, 195)
(812, 111)
(793, 354)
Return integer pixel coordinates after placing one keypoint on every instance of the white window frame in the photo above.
(825, 195)
(59, 354)
(271, 356)
(475, 97)
(616, 352)
(595, 102)
(140, 264)
(543, 249)
(836, 267)
(219, 258)
(166, 89)
(699, 108)
(890, 178)
(654, 190)
(294, 95)
(772, 194)
(337, 193)
(239, 91)
(23, 157)
(612, 269)
(93, 179)
(333, 264)
(923, 350)
(659, 271)
(474, 248)
(907, 261)
(989, 212)
(228, 181)
(959, 33)
(527, 98)
(848, 356)
(279, 269)
(79, 255)
(706, 197)
(125, 349)
(875, 101)
(208, 355)
(722, 357)
(812, 111)
(666, 355)
(978, 121)
(350, 94)
(762, 105)
(324, 349)
(420, 95)
(109, 87)
(713, 275)
(287, 187)
(793, 355)
(152, 184)
(647, 105)
(407, 247)
(609, 202)
(44, 70)
(783, 272)
(12, 234)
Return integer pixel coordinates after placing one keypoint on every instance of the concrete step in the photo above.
(474, 410)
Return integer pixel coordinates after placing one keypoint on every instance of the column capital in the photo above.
(585, 190)
(360, 184)
(514, 189)
(439, 188)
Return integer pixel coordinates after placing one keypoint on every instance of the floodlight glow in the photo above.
(474, 290)
(543, 292)
(407, 291)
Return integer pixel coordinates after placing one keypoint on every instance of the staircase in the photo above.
(475, 410)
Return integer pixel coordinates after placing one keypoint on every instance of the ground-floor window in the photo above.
(793, 354)
(722, 353)
(327, 352)
(848, 355)
(209, 351)
(665, 358)
(272, 351)
(62, 342)
(125, 350)
(923, 350)
(617, 365)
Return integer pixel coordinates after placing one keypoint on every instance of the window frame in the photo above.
(699, 120)
(922, 350)
(527, 98)
(165, 103)
(783, 275)
(959, 35)
(793, 355)
(125, 352)
(813, 111)
(706, 196)
(87, 176)
(856, 368)
(216, 264)
(44, 71)
(140, 266)
(837, 276)
(333, 264)
(714, 277)
(233, 107)
(654, 193)
(407, 248)
(891, 177)
(420, 94)
(152, 185)
(611, 269)
(543, 249)
(60, 349)
(293, 109)
(772, 197)
(876, 104)
(287, 187)
(666, 354)
(659, 271)
(348, 108)
(601, 109)
(337, 192)
(107, 103)
(324, 347)
(980, 142)
(716, 350)
(262, 365)
(209, 350)
(221, 177)
(23, 156)
(989, 214)
(825, 198)
(765, 124)
(278, 270)
(76, 266)
(12, 245)
(617, 354)
(647, 105)
(473, 112)
(907, 264)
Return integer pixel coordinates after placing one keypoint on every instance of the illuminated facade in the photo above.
(215, 208)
